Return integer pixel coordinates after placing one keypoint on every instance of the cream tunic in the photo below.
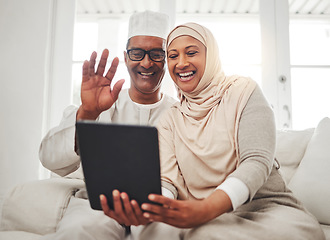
(56, 151)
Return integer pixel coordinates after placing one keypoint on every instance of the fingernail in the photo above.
(144, 206)
(151, 197)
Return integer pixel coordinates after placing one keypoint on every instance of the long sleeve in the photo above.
(169, 169)
(56, 150)
(256, 140)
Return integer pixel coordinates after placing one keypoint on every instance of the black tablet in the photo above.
(122, 157)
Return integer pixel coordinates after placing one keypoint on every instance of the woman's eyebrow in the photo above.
(187, 47)
(173, 50)
(191, 46)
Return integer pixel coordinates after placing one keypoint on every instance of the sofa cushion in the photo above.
(290, 149)
(19, 235)
(37, 206)
(311, 181)
(326, 230)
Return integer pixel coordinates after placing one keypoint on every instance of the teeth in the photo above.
(185, 74)
(146, 74)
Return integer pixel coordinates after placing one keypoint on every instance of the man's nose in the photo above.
(146, 62)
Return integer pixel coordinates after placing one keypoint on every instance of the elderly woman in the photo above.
(217, 150)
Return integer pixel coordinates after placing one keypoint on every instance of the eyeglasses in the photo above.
(138, 54)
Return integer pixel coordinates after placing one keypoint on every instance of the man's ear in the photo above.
(125, 57)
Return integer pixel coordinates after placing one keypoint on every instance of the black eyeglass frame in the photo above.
(144, 54)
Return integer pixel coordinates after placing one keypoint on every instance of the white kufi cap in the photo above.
(148, 23)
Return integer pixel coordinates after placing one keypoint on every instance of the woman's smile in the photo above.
(186, 76)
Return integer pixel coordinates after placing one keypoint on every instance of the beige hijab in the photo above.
(203, 126)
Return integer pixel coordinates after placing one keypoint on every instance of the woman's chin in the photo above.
(187, 86)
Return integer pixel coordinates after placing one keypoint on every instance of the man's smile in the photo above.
(146, 75)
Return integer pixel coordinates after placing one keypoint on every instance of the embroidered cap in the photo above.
(148, 23)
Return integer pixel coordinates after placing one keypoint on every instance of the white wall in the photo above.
(27, 68)
(274, 25)
(58, 91)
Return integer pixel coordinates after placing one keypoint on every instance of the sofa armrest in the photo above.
(38, 206)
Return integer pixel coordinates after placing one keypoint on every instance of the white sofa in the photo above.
(33, 209)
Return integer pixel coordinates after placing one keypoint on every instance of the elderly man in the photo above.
(141, 104)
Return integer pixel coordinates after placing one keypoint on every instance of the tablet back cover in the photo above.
(122, 157)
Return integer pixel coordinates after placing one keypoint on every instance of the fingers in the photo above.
(118, 207)
(104, 203)
(117, 213)
(113, 68)
(116, 89)
(92, 61)
(168, 210)
(125, 211)
(168, 202)
(85, 75)
(138, 213)
(128, 210)
(155, 211)
(89, 66)
(103, 62)
(105, 207)
(161, 214)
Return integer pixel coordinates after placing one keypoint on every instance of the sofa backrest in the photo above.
(290, 149)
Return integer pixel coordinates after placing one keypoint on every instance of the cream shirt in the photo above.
(56, 151)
